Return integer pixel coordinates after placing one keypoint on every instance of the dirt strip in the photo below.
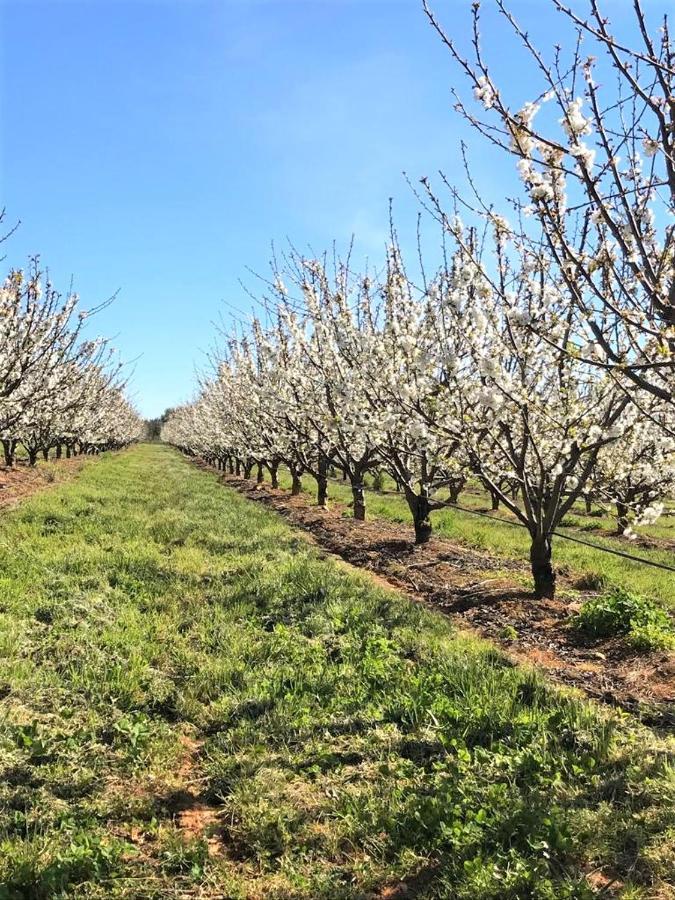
(22, 481)
(485, 594)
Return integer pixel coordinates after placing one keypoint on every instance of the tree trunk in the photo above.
(8, 449)
(230, 465)
(274, 474)
(322, 483)
(260, 477)
(542, 570)
(494, 501)
(32, 457)
(68, 451)
(359, 498)
(588, 501)
(456, 488)
(248, 469)
(420, 508)
(296, 484)
(45, 454)
(59, 451)
(621, 517)
(237, 467)
(8, 452)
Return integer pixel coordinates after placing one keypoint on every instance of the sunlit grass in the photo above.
(162, 638)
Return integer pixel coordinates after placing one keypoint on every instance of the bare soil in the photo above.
(485, 594)
(193, 813)
(22, 481)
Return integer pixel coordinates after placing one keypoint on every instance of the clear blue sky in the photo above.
(158, 147)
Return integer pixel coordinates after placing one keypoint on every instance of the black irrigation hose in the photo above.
(565, 537)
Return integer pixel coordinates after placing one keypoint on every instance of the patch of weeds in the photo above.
(33, 742)
(45, 614)
(508, 633)
(133, 733)
(180, 855)
(569, 522)
(41, 868)
(645, 625)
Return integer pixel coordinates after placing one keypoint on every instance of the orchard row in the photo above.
(59, 391)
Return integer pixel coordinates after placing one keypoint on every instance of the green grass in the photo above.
(645, 625)
(589, 567)
(159, 634)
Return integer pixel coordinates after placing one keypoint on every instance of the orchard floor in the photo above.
(22, 481)
(196, 704)
(491, 595)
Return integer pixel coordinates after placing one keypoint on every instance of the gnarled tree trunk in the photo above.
(621, 517)
(420, 508)
(296, 484)
(9, 449)
(456, 488)
(542, 569)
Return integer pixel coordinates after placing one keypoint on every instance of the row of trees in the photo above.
(58, 390)
(435, 384)
(537, 359)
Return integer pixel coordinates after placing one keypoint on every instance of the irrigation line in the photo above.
(565, 537)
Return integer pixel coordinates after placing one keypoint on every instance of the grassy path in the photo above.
(193, 704)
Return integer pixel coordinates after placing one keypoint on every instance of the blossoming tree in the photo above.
(594, 146)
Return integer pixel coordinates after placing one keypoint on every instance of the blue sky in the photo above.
(157, 147)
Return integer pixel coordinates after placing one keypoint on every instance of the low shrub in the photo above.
(645, 625)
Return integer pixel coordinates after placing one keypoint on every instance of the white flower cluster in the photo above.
(574, 123)
(484, 93)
